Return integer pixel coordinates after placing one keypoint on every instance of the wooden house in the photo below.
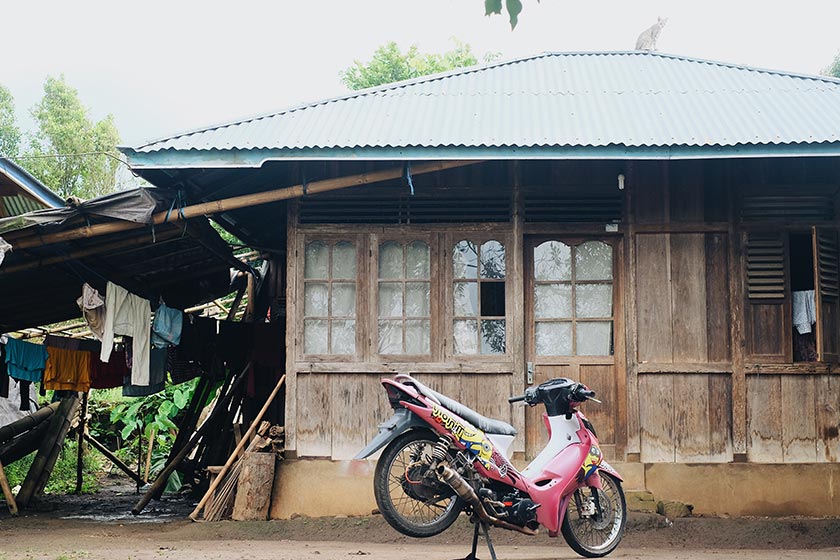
(651, 225)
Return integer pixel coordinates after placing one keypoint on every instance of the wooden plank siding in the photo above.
(705, 374)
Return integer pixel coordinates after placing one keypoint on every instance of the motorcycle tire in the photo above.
(594, 536)
(411, 506)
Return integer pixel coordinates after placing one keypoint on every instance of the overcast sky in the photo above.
(163, 67)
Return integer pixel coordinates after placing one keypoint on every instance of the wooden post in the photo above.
(7, 492)
(235, 454)
(253, 488)
(113, 458)
(80, 455)
(149, 447)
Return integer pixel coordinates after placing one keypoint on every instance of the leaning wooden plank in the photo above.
(7, 492)
(238, 450)
(114, 459)
(10, 431)
(160, 482)
(39, 472)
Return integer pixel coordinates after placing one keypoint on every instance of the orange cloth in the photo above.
(67, 370)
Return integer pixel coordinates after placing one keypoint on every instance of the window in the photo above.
(478, 297)
(329, 294)
(573, 299)
(404, 298)
(792, 295)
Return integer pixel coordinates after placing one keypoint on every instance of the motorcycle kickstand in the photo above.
(481, 526)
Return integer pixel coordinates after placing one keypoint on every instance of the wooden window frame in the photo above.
(784, 361)
(479, 238)
(360, 243)
(532, 283)
(404, 238)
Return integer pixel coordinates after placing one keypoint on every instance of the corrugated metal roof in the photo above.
(578, 100)
(22, 181)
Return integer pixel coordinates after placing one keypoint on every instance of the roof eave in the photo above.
(255, 158)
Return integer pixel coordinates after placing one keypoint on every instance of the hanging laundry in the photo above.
(166, 327)
(26, 395)
(130, 315)
(4, 373)
(110, 375)
(181, 370)
(4, 248)
(93, 310)
(235, 343)
(157, 376)
(198, 340)
(67, 370)
(25, 360)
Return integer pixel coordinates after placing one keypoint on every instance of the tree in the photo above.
(833, 69)
(9, 132)
(70, 153)
(389, 64)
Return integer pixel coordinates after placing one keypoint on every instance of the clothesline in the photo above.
(175, 342)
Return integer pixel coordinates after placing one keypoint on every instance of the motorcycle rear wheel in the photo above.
(409, 504)
(594, 536)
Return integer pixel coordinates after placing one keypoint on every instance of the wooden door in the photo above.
(574, 328)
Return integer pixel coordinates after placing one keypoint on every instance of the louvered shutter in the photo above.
(827, 293)
(767, 307)
(765, 266)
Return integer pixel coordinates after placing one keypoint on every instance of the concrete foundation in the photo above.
(322, 488)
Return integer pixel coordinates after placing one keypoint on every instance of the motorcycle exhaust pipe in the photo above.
(466, 493)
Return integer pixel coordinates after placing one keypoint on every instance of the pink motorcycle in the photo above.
(443, 458)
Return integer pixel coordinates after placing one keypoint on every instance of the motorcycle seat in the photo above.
(487, 425)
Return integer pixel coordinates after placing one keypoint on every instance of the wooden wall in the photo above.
(338, 414)
(697, 399)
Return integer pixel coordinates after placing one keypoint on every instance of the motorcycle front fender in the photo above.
(402, 421)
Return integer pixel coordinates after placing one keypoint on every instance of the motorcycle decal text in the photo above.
(448, 422)
(473, 440)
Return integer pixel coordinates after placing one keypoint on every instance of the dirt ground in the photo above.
(100, 526)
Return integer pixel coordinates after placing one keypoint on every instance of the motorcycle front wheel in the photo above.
(411, 502)
(595, 519)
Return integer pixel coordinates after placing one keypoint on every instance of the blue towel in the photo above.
(26, 360)
(166, 328)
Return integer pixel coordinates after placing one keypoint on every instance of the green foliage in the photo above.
(389, 64)
(155, 412)
(82, 167)
(513, 8)
(63, 477)
(9, 131)
(833, 69)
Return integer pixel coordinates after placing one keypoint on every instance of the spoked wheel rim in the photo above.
(418, 502)
(597, 534)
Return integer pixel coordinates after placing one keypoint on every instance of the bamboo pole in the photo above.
(234, 203)
(24, 444)
(103, 249)
(10, 431)
(113, 458)
(7, 492)
(251, 429)
(149, 448)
